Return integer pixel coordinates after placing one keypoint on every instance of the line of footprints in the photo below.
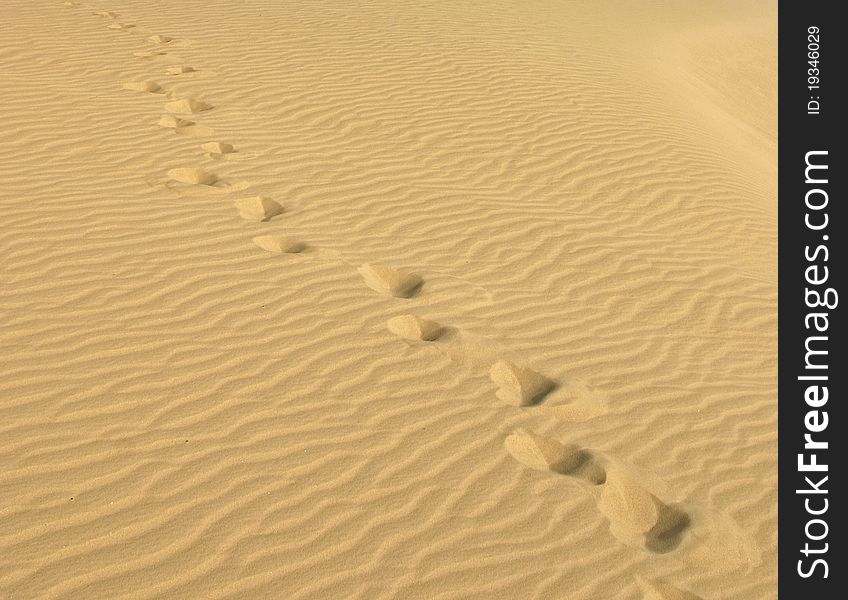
(636, 516)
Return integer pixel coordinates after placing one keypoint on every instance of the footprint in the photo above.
(547, 454)
(218, 149)
(258, 208)
(160, 39)
(192, 176)
(179, 70)
(573, 401)
(637, 514)
(386, 280)
(183, 126)
(150, 54)
(657, 589)
(151, 87)
(414, 328)
(519, 385)
(187, 105)
(120, 26)
(696, 536)
(174, 122)
(108, 14)
(279, 245)
(637, 517)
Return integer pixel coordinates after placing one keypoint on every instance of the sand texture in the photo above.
(379, 300)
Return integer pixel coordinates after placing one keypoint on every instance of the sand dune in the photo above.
(388, 300)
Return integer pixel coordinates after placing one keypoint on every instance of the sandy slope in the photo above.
(580, 195)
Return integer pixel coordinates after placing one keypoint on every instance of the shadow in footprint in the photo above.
(150, 87)
(180, 70)
(187, 106)
(637, 514)
(665, 536)
(547, 454)
(519, 385)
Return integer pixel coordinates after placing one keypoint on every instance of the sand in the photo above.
(388, 299)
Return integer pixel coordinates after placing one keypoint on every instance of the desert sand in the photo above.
(386, 299)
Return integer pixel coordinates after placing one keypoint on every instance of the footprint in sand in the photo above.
(515, 384)
(657, 589)
(192, 181)
(183, 126)
(187, 106)
(415, 328)
(218, 150)
(150, 54)
(627, 505)
(151, 87)
(637, 514)
(107, 14)
(258, 208)
(279, 245)
(192, 176)
(160, 39)
(116, 26)
(519, 385)
(399, 284)
(547, 454)
(638, 517)
(180, 70)
(174, 122)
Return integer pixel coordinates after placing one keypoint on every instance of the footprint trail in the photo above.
(636, 515)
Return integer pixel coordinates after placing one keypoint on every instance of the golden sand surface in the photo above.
(380, 299)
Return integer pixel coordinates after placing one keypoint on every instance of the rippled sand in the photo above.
(388, 299)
